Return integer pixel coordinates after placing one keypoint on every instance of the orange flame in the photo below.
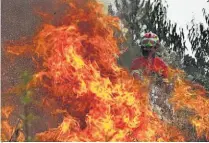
(101, 101)
(192, 96)
(6, 111)
(6, 128)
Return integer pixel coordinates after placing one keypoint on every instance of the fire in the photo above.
(6, 131)
(6, 128)
(192, 96)
(101, 101)
(6, 111)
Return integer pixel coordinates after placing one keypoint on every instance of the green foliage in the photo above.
(199, 39)
(26, 76)
(26, 98)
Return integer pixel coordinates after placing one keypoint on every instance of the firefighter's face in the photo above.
(146, 51)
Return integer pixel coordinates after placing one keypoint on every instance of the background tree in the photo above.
(143, 16)
(139, 16)
(198, 67)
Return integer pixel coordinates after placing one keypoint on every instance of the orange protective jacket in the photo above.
(149, 66)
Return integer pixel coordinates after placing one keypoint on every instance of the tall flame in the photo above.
(101, 101)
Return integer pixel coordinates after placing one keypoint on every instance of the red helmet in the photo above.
(150, 40)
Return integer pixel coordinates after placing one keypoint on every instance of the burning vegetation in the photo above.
(76, 70)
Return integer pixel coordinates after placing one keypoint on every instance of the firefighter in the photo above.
(149, 64)
(152, 66)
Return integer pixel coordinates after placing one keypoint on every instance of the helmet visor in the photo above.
(148, 43)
